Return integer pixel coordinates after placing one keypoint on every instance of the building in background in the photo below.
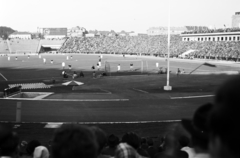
(54, 33)
(20, 35)
(76, 32)
(236, 20)
(175, 30)
(216, 36)
(164, 30)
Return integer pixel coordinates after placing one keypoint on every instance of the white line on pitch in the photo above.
(107, 92)
(58, 124)
(68, 100)
(139, 90)
(3, 76)
(189, 97)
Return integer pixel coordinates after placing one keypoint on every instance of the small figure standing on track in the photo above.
(118, 68)
(74, 75)
(178, 71)
(94, 74)
(131, 66)
(98, 66)
(64, 74)
(81, 74)
(63, 65)
(99, 62)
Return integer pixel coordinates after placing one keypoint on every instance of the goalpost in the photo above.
(24, 52)
(124, 65)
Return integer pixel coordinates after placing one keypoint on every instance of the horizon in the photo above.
(107, 15)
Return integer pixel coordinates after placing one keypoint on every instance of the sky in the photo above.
(117, 15)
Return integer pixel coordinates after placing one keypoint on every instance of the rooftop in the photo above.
(21, 33)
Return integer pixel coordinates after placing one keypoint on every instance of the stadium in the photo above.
(111, 80)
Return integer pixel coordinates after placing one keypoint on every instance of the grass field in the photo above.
(95, 101)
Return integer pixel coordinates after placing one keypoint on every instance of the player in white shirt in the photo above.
(131, 66)
(118, 67)
(63, 65)
(98, 66)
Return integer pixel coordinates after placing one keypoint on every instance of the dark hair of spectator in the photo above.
(113, 140)
(184, 141)
(225, 113)
(8, 141)
(31, 146)
(74, 141)
(101, 138)
(132, 139)
(143, 140)
(150, 142)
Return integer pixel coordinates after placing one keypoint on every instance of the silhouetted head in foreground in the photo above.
(74, 141)
(224, 121)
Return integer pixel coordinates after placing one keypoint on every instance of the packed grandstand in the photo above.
(154, 46)
(132, 45)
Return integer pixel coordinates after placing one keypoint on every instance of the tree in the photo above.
(5, 32)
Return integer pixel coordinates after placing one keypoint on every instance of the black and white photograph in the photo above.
(119, 78)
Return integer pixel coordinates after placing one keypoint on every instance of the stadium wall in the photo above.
(236, 20)
(224, 36)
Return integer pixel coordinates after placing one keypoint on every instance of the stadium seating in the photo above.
(3, 47)
(52, 42)
(195, 30)
(31, 85)
(153, 45)
(23, 46)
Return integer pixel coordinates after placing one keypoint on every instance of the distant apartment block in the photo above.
(236, 20)
(20, 35)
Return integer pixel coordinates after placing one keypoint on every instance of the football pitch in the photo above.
(125, 96)
(129, 100)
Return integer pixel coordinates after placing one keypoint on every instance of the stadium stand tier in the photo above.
(50, 45)
(27, 46)
(196, 30)
(52, 42)
(153, 45)
(3, 47)
(23, 46)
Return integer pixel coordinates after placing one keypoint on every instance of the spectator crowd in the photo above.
(207, 30)
(154, 46)
(213, 132)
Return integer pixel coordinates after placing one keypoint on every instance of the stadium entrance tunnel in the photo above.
(30, 95)
(49, 48)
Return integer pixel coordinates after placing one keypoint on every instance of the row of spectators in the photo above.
(229, 50)
(212, 30)
(11, 91)
(152, 45)
(213, 132)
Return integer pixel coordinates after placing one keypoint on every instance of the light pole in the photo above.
(168, 87)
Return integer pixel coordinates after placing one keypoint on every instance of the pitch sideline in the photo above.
(3, 77)
(190, 97)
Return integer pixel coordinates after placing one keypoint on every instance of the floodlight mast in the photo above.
(168, 87)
